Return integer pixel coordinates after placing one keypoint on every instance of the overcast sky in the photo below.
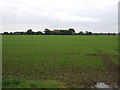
(91, 15)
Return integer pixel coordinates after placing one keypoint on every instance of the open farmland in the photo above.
(58, 61)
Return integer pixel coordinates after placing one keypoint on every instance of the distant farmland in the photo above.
(59, 61)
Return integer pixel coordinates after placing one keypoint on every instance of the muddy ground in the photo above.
(112, 69)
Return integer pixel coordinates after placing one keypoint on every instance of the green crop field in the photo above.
(59, 61)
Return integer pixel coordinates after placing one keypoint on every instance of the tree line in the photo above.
(70, 31)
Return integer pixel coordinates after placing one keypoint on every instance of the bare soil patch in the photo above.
(112, 68)
(118, 50)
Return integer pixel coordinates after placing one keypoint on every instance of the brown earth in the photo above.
(112, 68)
(118, 50)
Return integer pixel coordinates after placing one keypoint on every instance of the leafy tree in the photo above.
(88, 33)
(22, 33)
(11, 33)
(119, 33)
(6, 33)
(63, 32)
(71, 31)
(81, 33)
(47, 32)
(30, 32)
(39, 33)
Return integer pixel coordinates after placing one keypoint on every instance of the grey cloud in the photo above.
(18, 16)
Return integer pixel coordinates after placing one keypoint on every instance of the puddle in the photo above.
(103, 86)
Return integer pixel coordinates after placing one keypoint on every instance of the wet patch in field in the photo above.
(112, 68)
